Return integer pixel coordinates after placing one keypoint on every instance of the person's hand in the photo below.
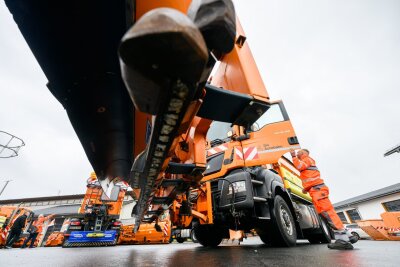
(304, 191)
(293, 153)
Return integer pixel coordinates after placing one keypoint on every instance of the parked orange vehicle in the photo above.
(98, 222)
(387, 228)
(97, 210)
(8, 214)
(56, 238)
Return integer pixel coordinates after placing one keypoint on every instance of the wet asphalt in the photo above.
(249, 253)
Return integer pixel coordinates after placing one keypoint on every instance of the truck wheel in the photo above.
(356, 235)
(180, 239)
(208, 234)
(193, 237)
(264, 234)
(323, 237)
(283, 232)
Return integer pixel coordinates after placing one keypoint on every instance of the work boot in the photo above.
(340, 245)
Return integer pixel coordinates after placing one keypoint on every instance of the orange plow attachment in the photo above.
(146, 234)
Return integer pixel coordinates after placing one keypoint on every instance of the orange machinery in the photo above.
(148, 233)
(56, 238)
(98, 223)
(8, 214)
(221, 141)
(387, 228)
(222, 138)
(95, 204)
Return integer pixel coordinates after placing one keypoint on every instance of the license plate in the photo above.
(95, 235)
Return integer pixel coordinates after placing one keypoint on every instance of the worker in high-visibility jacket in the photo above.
(319, 192)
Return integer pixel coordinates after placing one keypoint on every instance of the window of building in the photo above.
(342, 217)
(354, 215)
(392, 205)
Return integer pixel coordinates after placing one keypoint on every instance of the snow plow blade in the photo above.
(91, 239)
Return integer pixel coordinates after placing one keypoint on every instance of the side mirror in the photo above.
(113, 196)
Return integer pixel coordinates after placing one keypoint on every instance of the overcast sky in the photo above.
(335, 64)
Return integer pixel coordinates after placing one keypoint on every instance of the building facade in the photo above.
(62, 204)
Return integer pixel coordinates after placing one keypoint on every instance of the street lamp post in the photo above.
(4, 187)
(392, 150)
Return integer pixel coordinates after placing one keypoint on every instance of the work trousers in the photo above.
(13, 236)
(320, 199)
(32, 237)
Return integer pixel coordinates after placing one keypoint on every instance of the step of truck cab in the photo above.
(180, 168)
(171, 182)
(149, 219)
(161, 200)
(259, 199)
(256, 182)
(154, 212)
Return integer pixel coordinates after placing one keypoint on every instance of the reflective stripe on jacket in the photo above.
(309, 172)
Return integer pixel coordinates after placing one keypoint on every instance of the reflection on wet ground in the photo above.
(250, 253)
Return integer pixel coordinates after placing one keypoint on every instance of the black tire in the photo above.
(356, 235)
(180, 239)
(208, 234)
(193, 237)
(283, 231)
(323, 237)
(264, 232)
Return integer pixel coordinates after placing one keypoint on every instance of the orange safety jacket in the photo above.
(309, 173)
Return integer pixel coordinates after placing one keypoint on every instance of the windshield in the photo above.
(272, 115)
(218, 130)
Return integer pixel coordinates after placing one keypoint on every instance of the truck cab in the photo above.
(252, 185)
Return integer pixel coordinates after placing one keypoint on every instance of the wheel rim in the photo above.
(285, 218)
(194, 239)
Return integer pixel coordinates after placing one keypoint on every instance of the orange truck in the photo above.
(223, 140)
(220, 138)
(98, 222)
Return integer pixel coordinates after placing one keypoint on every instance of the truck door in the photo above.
(271, 136)
(222, 154)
